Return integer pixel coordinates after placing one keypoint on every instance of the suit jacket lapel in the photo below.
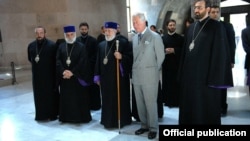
(141, 45)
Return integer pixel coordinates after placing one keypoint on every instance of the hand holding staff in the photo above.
(117, 54)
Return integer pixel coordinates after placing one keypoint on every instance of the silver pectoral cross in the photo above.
(191, 46)
(37, 58)
(68, 61)
(105, 60)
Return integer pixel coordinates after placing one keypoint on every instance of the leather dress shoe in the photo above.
(223, 112)
(152, 135)
(141, 131)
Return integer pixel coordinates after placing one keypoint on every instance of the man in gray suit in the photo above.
(148, 51)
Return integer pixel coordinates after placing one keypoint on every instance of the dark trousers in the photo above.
(95, 97)
(224, 100)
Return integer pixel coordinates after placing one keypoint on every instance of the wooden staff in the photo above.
(118, 86)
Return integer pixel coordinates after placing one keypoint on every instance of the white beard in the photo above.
(69, 41)
(110, 38)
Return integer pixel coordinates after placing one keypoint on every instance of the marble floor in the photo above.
(17, 115)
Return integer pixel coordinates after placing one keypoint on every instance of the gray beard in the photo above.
(70, 41)
(109, 38)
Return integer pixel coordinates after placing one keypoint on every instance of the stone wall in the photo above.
(19, 18)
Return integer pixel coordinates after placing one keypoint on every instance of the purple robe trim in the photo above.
(220, 87)
(96, 78)
(121, 69)
(82, 82)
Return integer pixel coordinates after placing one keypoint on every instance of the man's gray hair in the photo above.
(140, 15)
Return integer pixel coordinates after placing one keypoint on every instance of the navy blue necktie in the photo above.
(139, 37)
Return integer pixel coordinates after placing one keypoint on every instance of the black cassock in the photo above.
(245, 35)
(204, 70)
(74, 98)
(108, 78)
(170, 66)
(94, 90)
(46, 96)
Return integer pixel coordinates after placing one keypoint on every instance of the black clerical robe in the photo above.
(74, 98)
(245, 36)
(46, 96)
(170, 68)
(94, 90)
(107, 74)
(100, 38)
(204, 70)
(230, 33)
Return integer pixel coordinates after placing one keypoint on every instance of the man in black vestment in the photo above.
(73, 66)
(101, 36)
(204, 66)
(41, 54)
(230, 35)
(106, 77)
(245, 37)
(173, 43)
(91, 47)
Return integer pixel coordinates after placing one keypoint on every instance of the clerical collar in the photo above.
(112, 40)
(40, 42)
(84, 36)
(203, 19)
(169, 33)
(70, 45)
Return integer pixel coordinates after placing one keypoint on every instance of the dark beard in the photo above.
(40, 41)
(197, 17)
(84, 35)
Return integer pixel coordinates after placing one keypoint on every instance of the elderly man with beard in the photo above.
(73, 65)
(41, 54)
(106, 77)
(204, 64)
(91, 47)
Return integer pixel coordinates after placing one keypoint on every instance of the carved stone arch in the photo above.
(178, 10)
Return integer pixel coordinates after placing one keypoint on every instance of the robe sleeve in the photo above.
(127, 57)
(59, 64)
(245, 40)
(82, 69)
(28, 52)
(220, 65)
(97, 66)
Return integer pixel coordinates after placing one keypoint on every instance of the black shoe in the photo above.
(223, 113)
(141, 131)
(46, 119)
(224, 110)
(53, 118)
(152, 135)
(160, 116)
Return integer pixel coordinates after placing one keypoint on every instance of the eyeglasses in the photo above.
(198, 7)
